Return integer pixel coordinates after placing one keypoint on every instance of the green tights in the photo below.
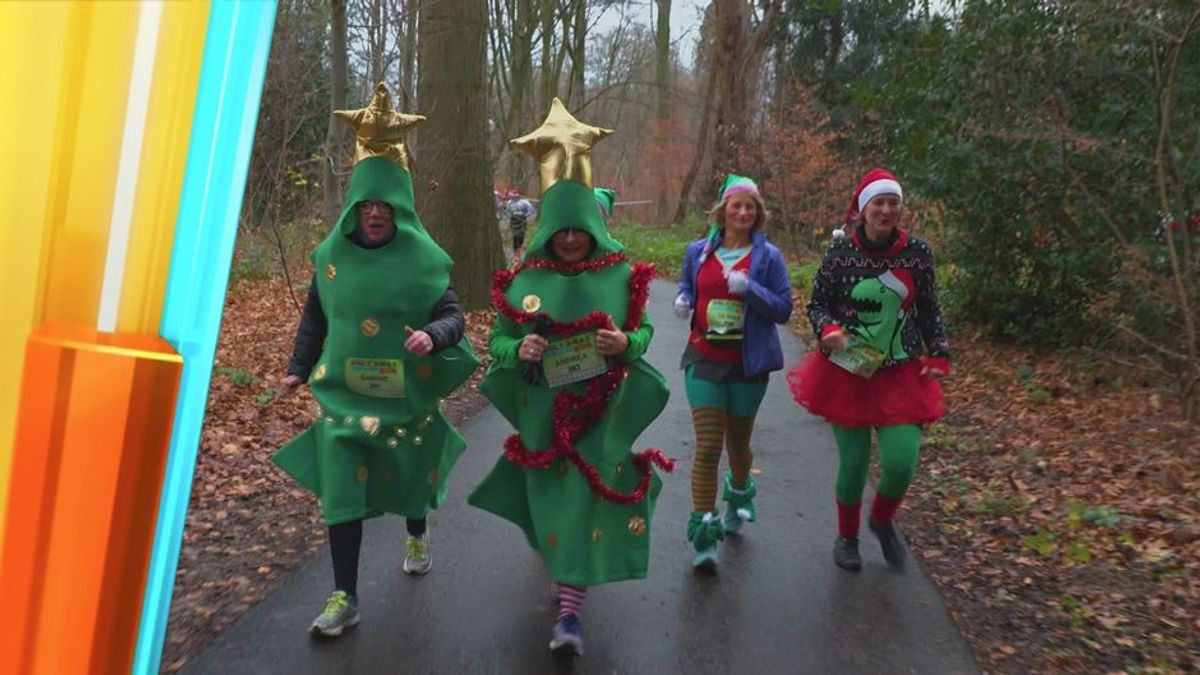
(898, 448)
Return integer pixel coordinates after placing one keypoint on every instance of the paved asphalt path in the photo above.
(777, 603)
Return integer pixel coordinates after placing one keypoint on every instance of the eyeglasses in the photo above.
(371, 205)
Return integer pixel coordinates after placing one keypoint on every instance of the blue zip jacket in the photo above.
(768, 299)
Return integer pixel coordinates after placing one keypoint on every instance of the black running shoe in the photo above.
(845, 554)
(889, 542)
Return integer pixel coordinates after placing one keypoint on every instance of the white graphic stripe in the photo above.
(149, 17)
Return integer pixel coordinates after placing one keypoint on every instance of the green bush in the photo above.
(663, 245)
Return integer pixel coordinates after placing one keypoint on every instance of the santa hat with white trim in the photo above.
(878, 181)
(900, 281)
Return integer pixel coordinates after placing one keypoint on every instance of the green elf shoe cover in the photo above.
(588, 513)
(741, 501)
(704, 529)
(381, 443)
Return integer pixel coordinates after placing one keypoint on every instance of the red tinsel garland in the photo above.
(574, 413)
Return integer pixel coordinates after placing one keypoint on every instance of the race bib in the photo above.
(383, 378)
(725, 317)
(859, 358)
(572, 359)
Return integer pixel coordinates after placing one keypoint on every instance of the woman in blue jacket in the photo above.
(735, 287)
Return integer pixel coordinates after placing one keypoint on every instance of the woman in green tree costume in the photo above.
(568, 374)
(380, 443)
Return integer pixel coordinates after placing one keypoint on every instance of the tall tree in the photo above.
(336, 134)
(662, 71)
(662, 62)
(578, 50)
(409, 56)
(737, 58)
(453, 174)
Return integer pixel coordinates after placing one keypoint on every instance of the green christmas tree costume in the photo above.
(585, 503)
(381, 443)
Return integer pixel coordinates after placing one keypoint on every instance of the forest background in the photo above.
(1050, 153)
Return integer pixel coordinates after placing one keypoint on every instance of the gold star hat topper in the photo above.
(378, 129)
(562, 147)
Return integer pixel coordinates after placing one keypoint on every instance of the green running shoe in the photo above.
(417, 560)
(341, 612)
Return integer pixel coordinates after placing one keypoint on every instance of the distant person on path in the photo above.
(567, 372)
(883, 349)
(380, 342)
(520, 212)
(735, 286)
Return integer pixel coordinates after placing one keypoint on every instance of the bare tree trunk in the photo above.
(738, 59)
(409, 58)
(729, 130)
(549, 72)
(662, 71)
(378, 33)
(522, 78)
(662, 65)
(701, 144)
(575, 93)
(337, 101)
(454, 175)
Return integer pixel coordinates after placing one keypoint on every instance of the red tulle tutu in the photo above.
(896, 394)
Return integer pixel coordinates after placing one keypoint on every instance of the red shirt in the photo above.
(711, 285)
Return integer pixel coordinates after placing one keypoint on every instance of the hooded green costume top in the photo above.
(586, 511)
(380, 443)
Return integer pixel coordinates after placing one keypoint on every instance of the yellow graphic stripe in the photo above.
(87, 147)
(30, 61)
(164, 155)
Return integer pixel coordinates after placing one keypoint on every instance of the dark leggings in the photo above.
(345, 542)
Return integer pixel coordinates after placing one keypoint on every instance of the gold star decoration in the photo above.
(562, 147)
(378, 129)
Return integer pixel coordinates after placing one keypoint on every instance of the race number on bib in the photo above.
(725, 318)
(383, 378)
(572, 359)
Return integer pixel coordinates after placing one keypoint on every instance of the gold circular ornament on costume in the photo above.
(424, 371)
(348, 420)
(361, 475)
(637, 526)
(329, 420)
(393, 442)
(319, 373)
(531, 303)
(552, 539)
(369, 424)
(401, 432)
(441, 402)
(330, 272)
(369, 327)
(417, 440)
(597, 534)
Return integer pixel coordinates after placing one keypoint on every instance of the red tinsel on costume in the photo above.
(574, 413)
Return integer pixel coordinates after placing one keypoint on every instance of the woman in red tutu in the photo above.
(883, 348)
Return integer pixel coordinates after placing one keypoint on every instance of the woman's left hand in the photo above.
(935, 367)
(611, 342)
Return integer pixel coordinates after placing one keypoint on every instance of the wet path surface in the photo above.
(777, 604)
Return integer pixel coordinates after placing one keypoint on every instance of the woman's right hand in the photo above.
(532, 347)
(836, 341)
